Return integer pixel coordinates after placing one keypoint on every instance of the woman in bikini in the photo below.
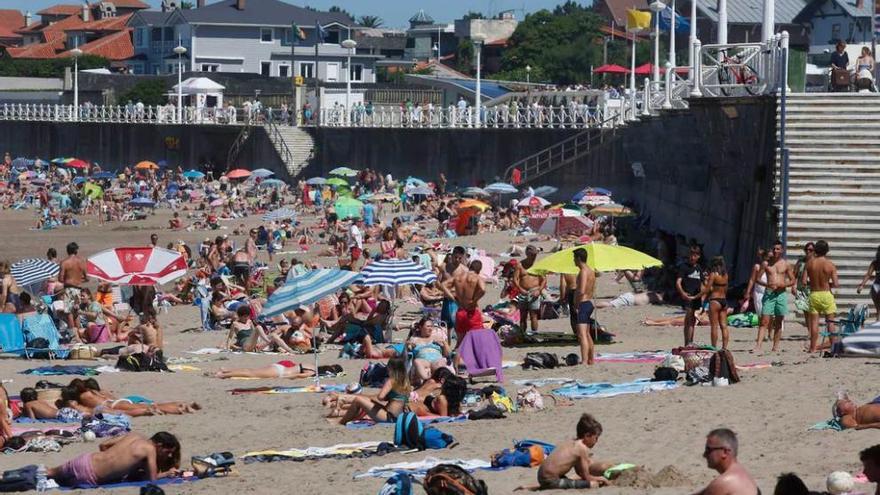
(392, 400)
(250, 337)
(91, 395)
(9, 291)
(445, 400)
(430, 349)
(715, 288)
(281, 369)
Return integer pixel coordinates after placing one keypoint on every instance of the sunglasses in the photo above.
(709, 450)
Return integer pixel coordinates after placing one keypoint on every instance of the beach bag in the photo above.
(411, 433)
(39, 348)
(529, 398)
(540, 360)
(721, 365)
(399, 484)
(449, 479)
(840, 77)
(142, 361)
(373, 375)
(663, 374)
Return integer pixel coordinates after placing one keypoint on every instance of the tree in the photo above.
(473, 15)
(186, 5)
(370, 21)
(464, 56)
(16, 67)
(340, 10)
(149, 92)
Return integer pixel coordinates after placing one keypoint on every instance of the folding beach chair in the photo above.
(41, 326)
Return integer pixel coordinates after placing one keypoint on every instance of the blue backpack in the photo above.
(410, 432)
(399, 484)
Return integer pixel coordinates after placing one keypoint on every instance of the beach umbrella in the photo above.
(103, 175)
(347, 207)
(382, 197)
(344, 171)
(590, 191)
(193, 174)
(545, 191)
(474, 191)
(422, 190)
(33, 271)
(61, 160)
(79, 180)
(308, 288)
(610, 69)
(38, 182)
(560, 224)
(600, 257)
(238, 173)
(501, 188)
(396, 272)
(316, 181)
(196, 194)
(137, 266)
(76, 163)
(162, 163)
(474, 203)
(533, 202)
(142, 202)
(262, 173)
(22, 163)
(146, 165)
(612, 210)
(414, 182)
(595, 200)
(336, 181)
(93, 191)
(283, 213)
(272, 183)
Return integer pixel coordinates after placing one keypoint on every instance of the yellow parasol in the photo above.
(473, 203)
(600, 257)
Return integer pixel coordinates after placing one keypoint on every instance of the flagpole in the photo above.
(318, 39)
(632, 74)
(293, 41)
(672, 35)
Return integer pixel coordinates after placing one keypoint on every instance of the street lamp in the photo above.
(76, 53)
(672, 23)
(478, 40)
(349, 45)
(436, 50)
(656, 7)
(179, 50)
(528, 83)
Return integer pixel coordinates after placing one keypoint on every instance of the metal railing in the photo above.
(162, 114)
(235, 149)
(741, 69)
(280, 144)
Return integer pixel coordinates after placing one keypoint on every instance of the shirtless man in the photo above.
(34, 408)
(774, 305)
(73, 276)
(250, 246)
(857, 417)
(583, 301)
(870, 458)
(530, 287)
(467, 290)
(215, 254)
(130, 457)
(720, 454)
(452, 268)
(575, 454)
(821, 274)
(241, 268)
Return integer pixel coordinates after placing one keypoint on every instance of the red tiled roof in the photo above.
(11, 19)
(126, 4)
(35, 50)
(61, 10)
(116, 46)
(107, 24)
(6, 33)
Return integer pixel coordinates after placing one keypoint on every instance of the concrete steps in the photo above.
(300, 144)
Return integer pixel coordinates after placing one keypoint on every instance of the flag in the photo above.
(637, 20)
(682, 25)
(319, 32)
(298, 33)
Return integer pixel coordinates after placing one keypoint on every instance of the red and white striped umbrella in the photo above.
(533, 202)
(557, 225)
(137, 266)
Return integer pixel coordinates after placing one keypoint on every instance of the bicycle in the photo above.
(732, 70)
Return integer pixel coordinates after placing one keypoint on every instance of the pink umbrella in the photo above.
(557, 225)
(238, 173)
(217, 202)
(137, 266)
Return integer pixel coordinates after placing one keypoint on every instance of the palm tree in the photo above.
(370, 21)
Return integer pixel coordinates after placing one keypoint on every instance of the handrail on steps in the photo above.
(278, 140)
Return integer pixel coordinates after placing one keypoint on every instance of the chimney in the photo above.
(85, 12)
(239, 4)
(27, 18)
(200, 3)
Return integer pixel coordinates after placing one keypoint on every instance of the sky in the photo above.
(394, 13)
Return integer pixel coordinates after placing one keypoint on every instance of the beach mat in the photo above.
(341, 451)
(420, 468)
(604, 389)
(631, 357)
(61, 369)
(134, 484)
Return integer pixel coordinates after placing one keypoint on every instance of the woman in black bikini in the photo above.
(716, 289)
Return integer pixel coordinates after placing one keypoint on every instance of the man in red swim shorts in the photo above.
(469, 287)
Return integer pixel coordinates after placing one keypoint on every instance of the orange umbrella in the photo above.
(146, 165)
(473, 203)
(238, 173)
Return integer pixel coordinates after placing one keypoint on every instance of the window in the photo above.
(210, 67)
(331, 37)
(332, 72)
(307, 69)
(155, 69)
(156, 34)
(266, 68)
(265, 35)
(169, 34)
(356, 73)
(139, 37)
(410, 42)
(835, 32)
(283, 70)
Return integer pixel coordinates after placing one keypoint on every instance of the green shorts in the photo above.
(775, 304)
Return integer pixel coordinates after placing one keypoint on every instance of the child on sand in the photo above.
(575, 454)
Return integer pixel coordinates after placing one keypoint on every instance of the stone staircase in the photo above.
(293, 144)
(834, 181)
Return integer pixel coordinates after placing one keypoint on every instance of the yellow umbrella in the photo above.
(473, 203)
(146, 165)
(613, 210)
(600, 257)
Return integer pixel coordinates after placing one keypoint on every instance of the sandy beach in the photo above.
(770, 409)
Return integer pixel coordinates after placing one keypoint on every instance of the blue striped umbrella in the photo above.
(501, 188)
(308, 288)
(396, 272)
(316, 181)
(33, 270)
(142, 202)
(261, 173)
(282, 213)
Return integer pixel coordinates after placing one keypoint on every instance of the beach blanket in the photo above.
(420, 468)
(329, 387)
(597, 390)
(60, 369)
(754, 366)
(541, 382)
(340, 451)
(631, 357)
(831, 424)
(135, 484)
(18, 430)
(26, 421)
(363, 424)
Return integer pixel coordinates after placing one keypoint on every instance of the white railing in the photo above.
(741, 69)
(128, 114)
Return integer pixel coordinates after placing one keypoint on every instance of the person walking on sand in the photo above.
(870, 458)
(689, 284)
(774, 306)
(583, 301)
(720, 454)
(822, 277)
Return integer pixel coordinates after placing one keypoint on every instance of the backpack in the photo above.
(721, 365)
(665, 373)
(449, 479)
(142, 361)
(410, 432)
(540, 360)
(399, 484)
(373, 375)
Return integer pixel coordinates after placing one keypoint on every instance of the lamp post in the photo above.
(76, 53)
(529, 84)
(656, 7)
(478, 44)
(179, 50)
(349, 45)
(672, 34)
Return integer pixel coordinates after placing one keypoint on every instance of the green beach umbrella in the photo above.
(344, 171)
(347, 207)
(336, 181)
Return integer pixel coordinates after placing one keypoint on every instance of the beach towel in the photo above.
(481, 351)
(329, 387)
(41, 326)
(135, 484)
(340, 451)
(61, 369)
(598, 390)
(541, 382)
(420, 468)
(831, 424)
(18, 430)
(865, 342)
(363, 424)
(631, 357)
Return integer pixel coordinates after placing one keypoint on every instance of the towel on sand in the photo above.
(363, 424)
(60, 369)
(420, 468)
(328, 387)
(831, 424)
(596, 390)
(340, 451)
(631, 357)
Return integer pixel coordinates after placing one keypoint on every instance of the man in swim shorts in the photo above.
(774, 305)
(583, 301)
(530, 287)
(821, 274)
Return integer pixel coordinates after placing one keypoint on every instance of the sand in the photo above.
(771, 409)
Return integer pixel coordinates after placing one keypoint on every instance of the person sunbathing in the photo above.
(70, 399)
(632, 299)
(34, 408)
(391, 401)
(91, 395)
(850, 416)
(250, 337)
(445, 403)
(130, 457)
(281, 369)
(430, 349)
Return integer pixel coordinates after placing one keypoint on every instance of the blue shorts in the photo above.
(585, 313)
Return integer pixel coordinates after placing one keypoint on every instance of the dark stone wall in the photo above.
(116, 145)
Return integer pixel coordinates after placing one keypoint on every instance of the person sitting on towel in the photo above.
(575, 454)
